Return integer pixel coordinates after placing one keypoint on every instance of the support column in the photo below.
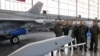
(76, 9)
(88, 9)
(98, 9)
(58, 9)
(32, 2)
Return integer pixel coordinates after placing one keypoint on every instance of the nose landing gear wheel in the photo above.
(14, 40)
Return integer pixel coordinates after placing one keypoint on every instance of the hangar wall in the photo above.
(85, 8)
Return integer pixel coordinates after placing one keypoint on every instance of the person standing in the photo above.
(82, 38)
(58, 28)
(58, 32)
(76, 33)
(94, 36)
(68, 26)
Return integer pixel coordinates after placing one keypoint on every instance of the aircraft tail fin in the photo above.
(36, 9)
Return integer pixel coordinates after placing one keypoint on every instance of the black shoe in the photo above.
(69, 48)
(90, 49)
(95, 51)
(80, 49)
(85, 50)
(75, 48)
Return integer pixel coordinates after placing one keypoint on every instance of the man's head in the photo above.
(94, 22)
(59, 22)
(70, 23)
(82, 23)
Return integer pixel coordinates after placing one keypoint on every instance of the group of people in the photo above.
(79, 32)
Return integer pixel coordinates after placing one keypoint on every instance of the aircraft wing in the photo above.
(17, 19)
(8, 17)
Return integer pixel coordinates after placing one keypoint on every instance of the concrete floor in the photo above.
(7, 48)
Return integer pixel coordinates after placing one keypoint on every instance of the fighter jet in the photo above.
(15, 23)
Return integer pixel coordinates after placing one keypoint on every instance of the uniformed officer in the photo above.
(58, 31)
(83, 29)
(58, 28)
(68, 26)
(76, 32)
(94, 36)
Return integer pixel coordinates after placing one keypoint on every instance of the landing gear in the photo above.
(14, 40)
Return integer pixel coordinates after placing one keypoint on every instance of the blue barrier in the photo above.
(17, 32)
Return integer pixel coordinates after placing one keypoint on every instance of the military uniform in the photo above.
(66, 29)
(58, 30)
(82, 37)
(94, 37)
(76, 33)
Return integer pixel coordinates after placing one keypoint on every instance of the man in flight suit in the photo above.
(83, 29)
(94, 36)
(66, 29)
(76, 32)
(58, 30)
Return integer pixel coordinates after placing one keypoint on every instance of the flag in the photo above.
(21, 0)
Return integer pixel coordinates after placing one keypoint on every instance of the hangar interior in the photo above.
(87, 9)
(52, 9)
